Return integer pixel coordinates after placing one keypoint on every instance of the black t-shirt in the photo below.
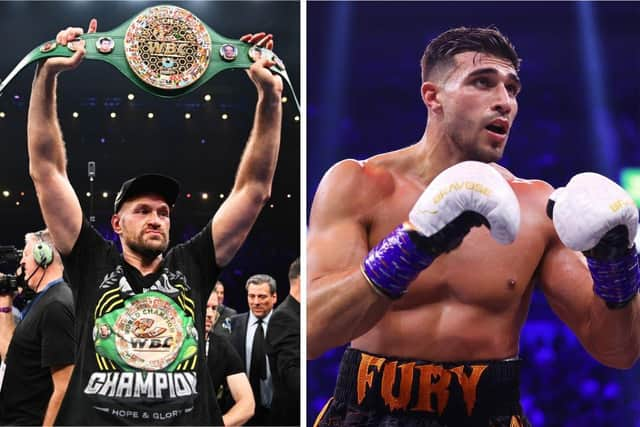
(141, 346)
(223, 360)
(43, 339)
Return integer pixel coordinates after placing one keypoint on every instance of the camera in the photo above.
(8, 284)
(10, 256)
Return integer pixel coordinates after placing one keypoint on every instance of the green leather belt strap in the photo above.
(165, 50)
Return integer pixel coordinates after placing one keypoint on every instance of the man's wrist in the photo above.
(46, 72)
(270, 96)
(616, 281)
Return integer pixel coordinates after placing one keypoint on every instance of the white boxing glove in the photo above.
(468, 186)
(590, 206)
(465, 195)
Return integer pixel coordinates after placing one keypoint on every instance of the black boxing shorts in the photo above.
(373, 390)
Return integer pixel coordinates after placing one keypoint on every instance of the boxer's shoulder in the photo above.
(352, 187)
(369, 178)
(523, 186)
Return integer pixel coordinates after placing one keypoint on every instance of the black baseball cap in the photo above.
(163, 185)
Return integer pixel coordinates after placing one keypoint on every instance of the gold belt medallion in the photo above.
(167, 47)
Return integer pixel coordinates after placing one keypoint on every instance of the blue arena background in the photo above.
(579, 111)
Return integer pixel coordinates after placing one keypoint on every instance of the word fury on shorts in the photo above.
(433, 381)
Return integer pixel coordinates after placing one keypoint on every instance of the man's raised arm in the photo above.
(252, 187)
(47, 156)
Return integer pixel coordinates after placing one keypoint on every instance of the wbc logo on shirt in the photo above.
(149, 333)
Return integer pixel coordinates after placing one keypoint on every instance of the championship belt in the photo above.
(165, 50)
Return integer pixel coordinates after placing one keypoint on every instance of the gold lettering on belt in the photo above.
(469, 384)
(433, 380)
(365, 378)
(401, 401)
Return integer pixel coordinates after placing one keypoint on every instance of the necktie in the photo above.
(258, 368)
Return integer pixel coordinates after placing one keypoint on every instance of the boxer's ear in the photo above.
(430, 92)
(116, 223)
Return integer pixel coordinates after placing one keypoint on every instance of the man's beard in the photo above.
(474, 151)
(147, 251)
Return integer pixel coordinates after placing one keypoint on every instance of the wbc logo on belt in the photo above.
(167, 47)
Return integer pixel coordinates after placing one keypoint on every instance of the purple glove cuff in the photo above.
(394, 263)
(616, 281)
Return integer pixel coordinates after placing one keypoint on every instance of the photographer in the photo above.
(39, 351)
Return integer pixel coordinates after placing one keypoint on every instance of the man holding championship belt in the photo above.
(424, 259)
(140, 315)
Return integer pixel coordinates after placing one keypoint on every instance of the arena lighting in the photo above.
(88, 194)
(131, 97)
(225, 116)
(205, 196)
(271, 206)
(187, 116)
(222, 195)
(284, 99)
(188, 195)
(603, 135)
(75, 115)
(630, 181)
(105, 194)
(207, 97)
(296, 118)
(2, 115)
(17, 203)
(288, 196)
(113, 115)
(150, 115)
(22, 194)
(6, 193)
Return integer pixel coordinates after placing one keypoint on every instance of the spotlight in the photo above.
(207, 97)
(105, 194)
(17, 203)
(22, 194)
(296, 118)
(88, 194)
(131, 97)
(284, 99)
(225, 116)
(271, 206)
(188, 196)
(2, 115)
(113, 115)
(187, 116)
(288, 196)
(150, 115)
(75, 115)
(205, 196)
(222, 195)
(6, 193)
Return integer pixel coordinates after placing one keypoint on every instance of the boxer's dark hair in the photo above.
(441, 50)
(294, 269)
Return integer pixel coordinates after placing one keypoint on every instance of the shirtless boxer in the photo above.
(425, 258)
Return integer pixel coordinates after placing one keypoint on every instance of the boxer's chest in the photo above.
(480, 271)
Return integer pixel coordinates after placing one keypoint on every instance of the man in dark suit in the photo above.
(248, 331)
(227, 371)
(222, 326)
(283, 349)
